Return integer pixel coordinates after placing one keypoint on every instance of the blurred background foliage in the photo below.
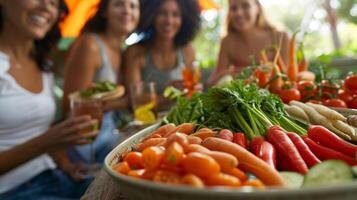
(308, 16)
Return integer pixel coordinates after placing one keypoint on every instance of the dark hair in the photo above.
(97, 23)
(190, 14)
(45, 45)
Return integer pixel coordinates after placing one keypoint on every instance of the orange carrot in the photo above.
(193, 181)
(151, 142)
(292, 68)
(194, 139)
(226, 161)
(223, 179)
(205, 133)
(263, 57)
(247, 161)
(281, 64)
(276, 80)
(254, 183)
(238, 173)
(163, 130)
(122, 167)
(302, 62)
(186, 128)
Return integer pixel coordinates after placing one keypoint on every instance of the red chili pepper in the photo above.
(283, 164)
(264, 150)
(328, 139)
(240, 139)
(304, 150)
(286, 147)
(325, 153)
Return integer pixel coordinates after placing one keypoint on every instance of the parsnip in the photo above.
(342, 126)
(327, 112)
(297, 113)
(317, 118)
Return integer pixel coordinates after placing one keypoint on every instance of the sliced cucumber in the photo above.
(354, 170)
(327, 173)
(294, 180)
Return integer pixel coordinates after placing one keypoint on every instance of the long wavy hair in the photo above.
(261, 22)
(191, 21)
(43, 47)
(97, 23)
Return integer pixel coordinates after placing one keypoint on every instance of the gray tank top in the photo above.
(150, 73)
(106, 71)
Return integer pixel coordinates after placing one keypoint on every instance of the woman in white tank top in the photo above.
(28, 30)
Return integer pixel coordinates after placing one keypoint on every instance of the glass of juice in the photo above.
(92, 107)
(144, 102)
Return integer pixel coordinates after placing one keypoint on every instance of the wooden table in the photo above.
(103, 188)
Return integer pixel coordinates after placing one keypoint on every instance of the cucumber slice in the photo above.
(327, 173)
(294, 180)
(354, 170)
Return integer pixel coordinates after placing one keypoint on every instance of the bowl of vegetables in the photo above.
(334, 180)
(235, 142)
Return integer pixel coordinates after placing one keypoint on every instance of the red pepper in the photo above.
(328, 139)
(304, 150)
(286, 147)
(240, 139)
(264, 150)
(325, 153)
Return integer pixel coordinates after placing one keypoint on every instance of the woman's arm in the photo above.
(57, 137)
(82, 62)
(222, 63)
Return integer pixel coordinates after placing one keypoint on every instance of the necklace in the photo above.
(15, 63)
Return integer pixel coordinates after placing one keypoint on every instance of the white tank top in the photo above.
(23, 116)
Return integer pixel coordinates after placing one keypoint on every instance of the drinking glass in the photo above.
(92, 107)
(144, 102)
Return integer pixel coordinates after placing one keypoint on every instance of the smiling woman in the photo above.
(28, 31)
(167, 28)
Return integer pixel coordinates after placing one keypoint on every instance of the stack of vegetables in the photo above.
(241, 128)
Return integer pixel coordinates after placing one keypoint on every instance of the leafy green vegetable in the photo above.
(99, 87)
(237, 107)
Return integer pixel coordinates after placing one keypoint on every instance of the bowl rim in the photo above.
(244, 191)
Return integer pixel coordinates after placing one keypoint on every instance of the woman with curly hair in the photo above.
(28, 31)
(248, 34)
(166, 28)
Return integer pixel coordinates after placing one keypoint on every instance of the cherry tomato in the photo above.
(353, 103)
(288, 95)
(307, 89)
(345, 96)
(122, 167)
(329, 89)
(335, 103)
(152, 157)
(134, 159)
(351, 83)
(173, 154)
(192, 180)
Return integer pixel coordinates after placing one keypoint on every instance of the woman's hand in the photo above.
(75, 170)
(67, 133)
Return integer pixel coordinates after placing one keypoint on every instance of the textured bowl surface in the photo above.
(134, 189)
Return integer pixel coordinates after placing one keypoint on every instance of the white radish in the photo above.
(342, 126)
(317, 118)
(352, 120)
(327, 112)
(297, 112)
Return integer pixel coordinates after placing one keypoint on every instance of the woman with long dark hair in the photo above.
(96, 56)
(28, 31)
(166, 28)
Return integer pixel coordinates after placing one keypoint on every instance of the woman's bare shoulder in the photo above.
(87, 42)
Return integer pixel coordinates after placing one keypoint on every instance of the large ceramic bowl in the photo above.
(135, 189)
